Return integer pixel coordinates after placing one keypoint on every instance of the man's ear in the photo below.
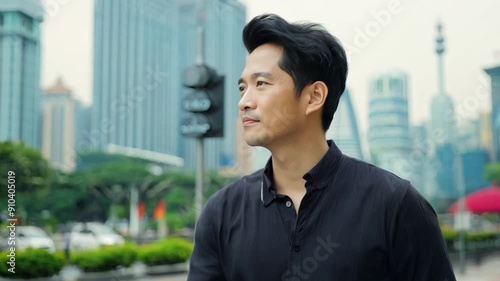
(318, 91)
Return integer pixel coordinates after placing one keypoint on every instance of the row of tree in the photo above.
(101, 188)
(45, 196)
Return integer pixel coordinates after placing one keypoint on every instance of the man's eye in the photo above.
(260, 83)
(241, 88)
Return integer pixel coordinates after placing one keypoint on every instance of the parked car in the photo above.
(33, 237)
(91, 235)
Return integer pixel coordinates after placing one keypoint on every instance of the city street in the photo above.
(489, 270)
(174, 277)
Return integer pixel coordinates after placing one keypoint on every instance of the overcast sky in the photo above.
(379, 35)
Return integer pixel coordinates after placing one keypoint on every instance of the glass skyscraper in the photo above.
(20, 70)
(494, 73)
(389, 133)
(474, 162)
(136, 75)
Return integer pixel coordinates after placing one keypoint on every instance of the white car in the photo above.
(33, 237)
(91, 235)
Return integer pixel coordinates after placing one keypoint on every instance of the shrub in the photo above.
(480, 236)
(449, 235)
(31, 263)
(168, 251)
(105, 258)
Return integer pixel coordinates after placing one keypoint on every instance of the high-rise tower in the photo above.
(389, 132)
(20, 22)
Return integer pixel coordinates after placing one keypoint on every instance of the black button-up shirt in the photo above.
(355, 222)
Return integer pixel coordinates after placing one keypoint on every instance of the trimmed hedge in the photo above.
(473, 240)
(168, 251)
(449, 235)
(164, 252)
(31, 263)
(481, 236)
(105, 258)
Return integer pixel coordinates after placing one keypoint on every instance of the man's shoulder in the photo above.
(373, 177)
(235, 190)
(392, 191)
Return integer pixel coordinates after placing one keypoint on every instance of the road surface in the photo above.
(488, 270)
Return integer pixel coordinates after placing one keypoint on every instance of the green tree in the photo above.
(492, 172)
(70, 200)
(32, 171)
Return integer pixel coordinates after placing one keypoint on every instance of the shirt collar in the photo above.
(317, 177)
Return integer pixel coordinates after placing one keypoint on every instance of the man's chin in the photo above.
(254, 142)
(258, 138)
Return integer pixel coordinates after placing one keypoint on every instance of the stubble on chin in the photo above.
(258, 138)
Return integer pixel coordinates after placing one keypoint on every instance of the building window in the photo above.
(28, 24)
(396, 86)
(380, 86)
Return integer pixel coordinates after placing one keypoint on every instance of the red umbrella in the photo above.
(485, 200)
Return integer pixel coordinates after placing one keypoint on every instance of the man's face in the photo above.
(270, 111)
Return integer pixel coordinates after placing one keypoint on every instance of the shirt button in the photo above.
(288, 204)
(296, 248)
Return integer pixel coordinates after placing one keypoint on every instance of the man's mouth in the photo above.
(248, 121)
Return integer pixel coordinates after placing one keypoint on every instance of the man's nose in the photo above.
(247, 101)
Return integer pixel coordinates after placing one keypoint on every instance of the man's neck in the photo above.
(294, 159)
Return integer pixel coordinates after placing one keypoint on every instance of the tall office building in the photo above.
(494, 73)
(59, 124)
(389, 133)
(469, 135)
(344, 128)
(418, 159)
(474, 162)
(486, 133)
(82, 113)
(474, 155)
(136, 75)
(446, 174)
(222, 22)
(20, 70)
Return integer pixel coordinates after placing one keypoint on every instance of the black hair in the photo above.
(310, 54)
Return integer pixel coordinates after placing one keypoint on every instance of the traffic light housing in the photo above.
(204, 103)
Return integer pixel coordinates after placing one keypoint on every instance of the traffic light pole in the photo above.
(204, 105)
(200, 148)
(198, 197)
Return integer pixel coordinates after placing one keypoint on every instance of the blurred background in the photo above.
(92, 104)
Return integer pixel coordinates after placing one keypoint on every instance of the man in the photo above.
(312, 213)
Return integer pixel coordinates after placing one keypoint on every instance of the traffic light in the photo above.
(205, 103)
